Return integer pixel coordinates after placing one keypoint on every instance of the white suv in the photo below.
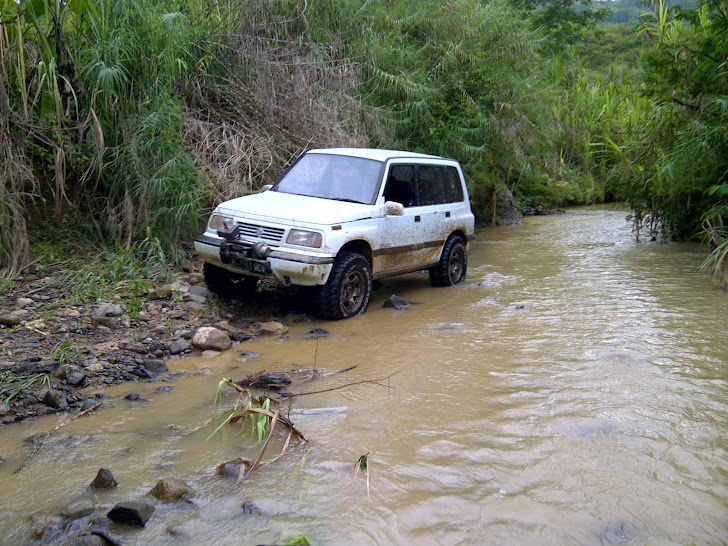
(339, 219)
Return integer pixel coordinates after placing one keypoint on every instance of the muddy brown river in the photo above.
(573, 391)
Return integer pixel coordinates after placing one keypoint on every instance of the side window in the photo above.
(453, 186)
(438, 184)
(401, 185)
(430, 188)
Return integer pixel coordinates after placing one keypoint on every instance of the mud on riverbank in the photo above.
(57, 355)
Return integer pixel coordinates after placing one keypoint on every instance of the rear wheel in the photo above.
(453, 263)
(347, 292)
(227, 284)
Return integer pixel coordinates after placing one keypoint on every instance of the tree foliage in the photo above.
(135, 117)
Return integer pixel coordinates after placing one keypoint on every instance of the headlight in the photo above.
(304, 238)
(221, 223)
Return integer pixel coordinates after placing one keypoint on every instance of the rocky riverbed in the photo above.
(74, 350)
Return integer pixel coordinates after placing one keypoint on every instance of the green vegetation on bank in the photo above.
(129, 120)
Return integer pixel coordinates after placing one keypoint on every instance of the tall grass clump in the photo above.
(138, 116)
(272, 87)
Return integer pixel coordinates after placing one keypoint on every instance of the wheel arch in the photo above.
(360, 247)
(455, 233)
(460, 233)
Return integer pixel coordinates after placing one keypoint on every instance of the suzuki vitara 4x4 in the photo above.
(340, 219)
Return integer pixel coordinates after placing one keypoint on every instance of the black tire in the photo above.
(347, 292)
(453, 263)
(226, 284)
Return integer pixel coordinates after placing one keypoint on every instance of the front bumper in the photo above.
(287, 267)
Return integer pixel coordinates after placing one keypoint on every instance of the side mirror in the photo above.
(266, 188)
(392, 208)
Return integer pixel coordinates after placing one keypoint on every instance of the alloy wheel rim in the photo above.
(456, 265)
(352, 291)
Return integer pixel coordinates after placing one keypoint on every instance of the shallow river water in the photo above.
(573, 391)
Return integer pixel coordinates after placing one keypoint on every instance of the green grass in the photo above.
(11, 384)
(66, 352)
(6, 285)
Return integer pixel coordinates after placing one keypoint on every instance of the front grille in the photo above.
(264, 233)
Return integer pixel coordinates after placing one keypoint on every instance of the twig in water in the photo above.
(375, 381)
(64, 423)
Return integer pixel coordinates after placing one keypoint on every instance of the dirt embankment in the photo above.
(57, 356)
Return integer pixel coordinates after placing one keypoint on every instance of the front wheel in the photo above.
(453, 263)
(347, 292)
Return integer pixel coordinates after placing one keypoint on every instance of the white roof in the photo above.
(372, 153)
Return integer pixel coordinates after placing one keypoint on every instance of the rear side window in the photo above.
(438, 184)
(422, 185)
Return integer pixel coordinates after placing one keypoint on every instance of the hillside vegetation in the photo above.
(122, 123)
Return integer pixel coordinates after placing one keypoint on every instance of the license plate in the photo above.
(256, 266)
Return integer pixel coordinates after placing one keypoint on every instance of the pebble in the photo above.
(23, 302)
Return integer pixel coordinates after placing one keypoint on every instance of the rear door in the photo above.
(429, 193)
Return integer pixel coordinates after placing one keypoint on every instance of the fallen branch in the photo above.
(374, 381)
(63, 424)
(340, 371)
(273, 422)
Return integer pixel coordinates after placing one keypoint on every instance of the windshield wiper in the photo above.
(346, 200)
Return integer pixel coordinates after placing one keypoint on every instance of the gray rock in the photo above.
(106, 322)
(170, 489)
(55, 399)
(133, 347)
(88, 404)
(103, 480)
(78, 509)
(107, 310)
(208, 337)
(508, 212)
(175, 348)
(155, 365)
(161, 292)
(75, 379)
(319, 332)
(132, 396)
(11, 319)
(233, 470)
(200, 291)
(196, 278)
(194, 306)
(23, 302)
(86, 540)
(4, 410)
(64, 370)
(194, 297)
(132, 513)
(621, 532)
(396, 302)
(186, 265)
(36, 438)
(273, 328)
(250, 509)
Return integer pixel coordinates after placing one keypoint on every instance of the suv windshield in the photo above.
(336, 177)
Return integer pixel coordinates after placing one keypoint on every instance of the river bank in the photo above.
(58, 355)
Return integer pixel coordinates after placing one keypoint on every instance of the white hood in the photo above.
(290, 208)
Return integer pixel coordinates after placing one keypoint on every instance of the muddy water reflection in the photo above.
(572, 391)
